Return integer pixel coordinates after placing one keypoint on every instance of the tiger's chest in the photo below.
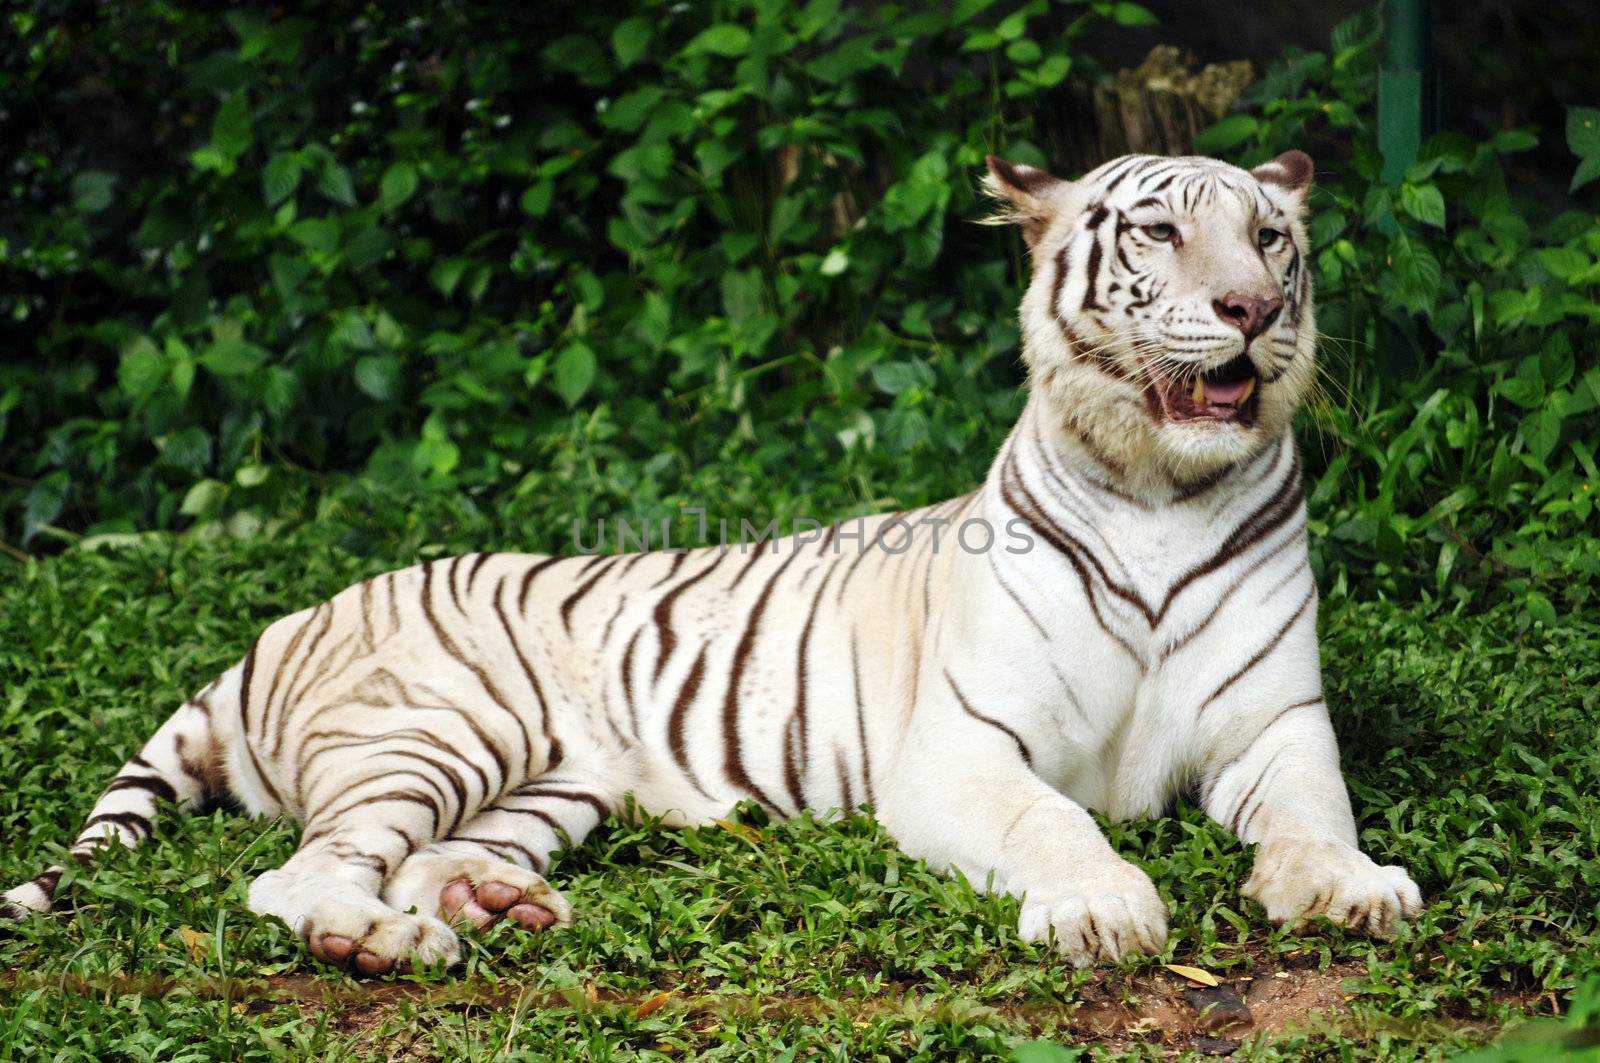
(1131, 616)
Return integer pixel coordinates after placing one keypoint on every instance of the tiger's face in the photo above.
(1169, 317)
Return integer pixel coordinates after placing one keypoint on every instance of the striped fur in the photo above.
(1141, 623)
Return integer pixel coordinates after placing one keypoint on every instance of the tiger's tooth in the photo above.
(1249, 389)
(1199, 394)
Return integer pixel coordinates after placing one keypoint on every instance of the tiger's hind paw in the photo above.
(351, 929)
(477, 890)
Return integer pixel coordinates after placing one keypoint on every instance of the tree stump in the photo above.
(1154, 109)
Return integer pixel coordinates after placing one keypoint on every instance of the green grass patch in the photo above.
(1470, 746)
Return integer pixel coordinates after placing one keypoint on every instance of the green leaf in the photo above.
(378, 376)
(387, 331)
(1130, 14)
(1053, 71)
(1587, 171)
(1416, 272)
(1542, 431)
(724, 39)
(232, 356)
(896, 377)
(536, 200)
(353, 331)
(1540, 609)
(279, 390)
(336, 185)
(574, 372)
(1226, 134)
(1045, 1052)
(1583, 131)
(44, 503)
(399, 184)
(280, 177)
(1013, 25)
(1525, 391)
(1424, 203)
(318, 234)
(231, 135)
(91, 191)
(1563, 262)
(204, 498)
(630, 38)
(1511, 141)
(141, 371)
(1024, 52)
(252, 475)
(287, 271)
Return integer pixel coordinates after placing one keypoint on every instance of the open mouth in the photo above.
(1225, 395)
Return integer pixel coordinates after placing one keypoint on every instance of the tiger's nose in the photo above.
(1250, 314)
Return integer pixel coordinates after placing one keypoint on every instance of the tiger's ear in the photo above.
(1290, 171)
(1029, 196)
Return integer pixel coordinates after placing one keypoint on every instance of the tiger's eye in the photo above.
(1268, 237)
(1161, 231)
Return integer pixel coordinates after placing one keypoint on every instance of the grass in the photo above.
(1470, 743)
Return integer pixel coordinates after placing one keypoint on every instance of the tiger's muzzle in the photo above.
(1227, 394)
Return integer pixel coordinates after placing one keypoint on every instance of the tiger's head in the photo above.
(1169, 317)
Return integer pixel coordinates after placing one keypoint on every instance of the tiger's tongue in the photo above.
(1226, 394)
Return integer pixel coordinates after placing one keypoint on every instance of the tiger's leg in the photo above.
(1284, 791)
(493, 866)
(178, 764)
(354, 842)
(962, 793)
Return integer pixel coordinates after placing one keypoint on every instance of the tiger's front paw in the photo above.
(1296, 880)
(1101, 915)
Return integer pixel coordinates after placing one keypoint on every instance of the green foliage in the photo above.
(472, 254)
(417, 250)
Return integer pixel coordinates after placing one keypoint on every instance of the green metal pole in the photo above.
(1404, 95)
(1405, 117)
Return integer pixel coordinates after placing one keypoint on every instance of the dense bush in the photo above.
(254, 263)
(409, 247)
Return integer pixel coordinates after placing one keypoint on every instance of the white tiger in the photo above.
(439, 731)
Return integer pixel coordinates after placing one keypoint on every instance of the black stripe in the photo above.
(578, 595)
(484, 681)
(627, 683)
(472, 573)
(1015, 598)
(1027, 758)
(1092, 275)
(527, 581)
(132, 820)
(577, 796)
(732, 747)
(800, 716)
(662, 614)
(157, 786)
(861, 721)
(1263, 521)
(554, 756)
(1030, 516)
(498, 845)
(1261, 654)
(680, 710)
